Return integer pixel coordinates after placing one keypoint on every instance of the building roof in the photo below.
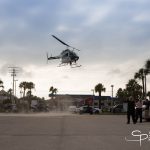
(83, 96)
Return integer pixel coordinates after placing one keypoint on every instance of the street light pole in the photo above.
(112, 86)
(93, 97)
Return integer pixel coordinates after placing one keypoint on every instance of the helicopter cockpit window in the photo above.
(66, 55)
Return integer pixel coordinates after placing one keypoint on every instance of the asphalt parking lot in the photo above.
(71, 132)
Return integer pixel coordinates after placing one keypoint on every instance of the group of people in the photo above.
(134, 110)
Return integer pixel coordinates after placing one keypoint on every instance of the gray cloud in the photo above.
(4, 69)
(105, 31)
(109, 33)
(21, 72)
(65, 77)
(24, 73)
(114, 71)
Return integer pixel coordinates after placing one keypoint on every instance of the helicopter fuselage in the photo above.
(68, 56)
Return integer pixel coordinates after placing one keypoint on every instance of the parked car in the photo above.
(105, 108)
(97, 110)
(10, 108)
(117, 108)
(89, 109)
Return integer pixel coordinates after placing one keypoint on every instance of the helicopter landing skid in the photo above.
(61, 65)
(75, 66)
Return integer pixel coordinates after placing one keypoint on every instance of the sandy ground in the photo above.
(42, 114)
(62, 131)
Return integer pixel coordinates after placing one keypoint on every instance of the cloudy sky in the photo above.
(113, 35)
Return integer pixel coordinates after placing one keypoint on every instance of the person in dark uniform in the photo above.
(131, 110)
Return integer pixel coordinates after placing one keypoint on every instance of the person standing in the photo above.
(139, 110)
(131, 110)
(147, 104)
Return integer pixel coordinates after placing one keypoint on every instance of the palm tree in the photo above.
(53, 91)
(147, 65)
(30, 86)
(99, 88)
(23, 85)
(140, 75)
(147, 68)
(1, 84)
(146, 72)
(28, 93)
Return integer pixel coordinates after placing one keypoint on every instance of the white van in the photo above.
(73, 109)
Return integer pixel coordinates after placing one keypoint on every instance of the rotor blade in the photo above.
(60, 40)
(47, 55)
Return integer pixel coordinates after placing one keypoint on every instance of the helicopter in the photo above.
(67, 56)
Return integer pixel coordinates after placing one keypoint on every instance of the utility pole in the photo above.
(13, 71)
(15, 86)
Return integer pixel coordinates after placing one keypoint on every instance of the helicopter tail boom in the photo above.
(50, 58)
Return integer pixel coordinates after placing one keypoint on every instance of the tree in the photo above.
(147, 72)
(10, 94)
(1, 84)
(30, 86)
(133, 89)
(147, 65)
(23, 85)
(141, 75)
(121, 94)
(53, 91)
(99, 88)
(28, 94)
(27, 86)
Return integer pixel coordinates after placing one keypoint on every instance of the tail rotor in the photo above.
(47, 57)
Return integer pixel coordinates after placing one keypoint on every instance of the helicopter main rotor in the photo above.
(64, 43)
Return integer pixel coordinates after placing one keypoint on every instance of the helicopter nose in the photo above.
(77, 58)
